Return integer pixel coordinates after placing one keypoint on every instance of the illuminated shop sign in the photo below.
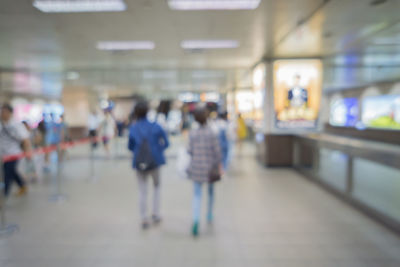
(344, 112)
(381, 112)
(297, 93)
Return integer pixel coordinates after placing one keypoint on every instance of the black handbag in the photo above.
(214, 175)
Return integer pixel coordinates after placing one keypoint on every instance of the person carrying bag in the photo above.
(205, 165)
(148, 142)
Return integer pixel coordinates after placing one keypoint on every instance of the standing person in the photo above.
(40, 135)
(241, 132)
(65, 136)
(39, 141)
(205, 154)
(226, 136)
(13, 139)
(107, 130)
(65, 129)
(93, 127)
(148, 142)
(54, 136)
(186, 121)
(54, 131)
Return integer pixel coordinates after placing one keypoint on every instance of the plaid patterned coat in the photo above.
(205, 152)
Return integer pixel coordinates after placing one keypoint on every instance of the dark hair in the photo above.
(141, 110)
(8, 107)
(223, 115)
(200, 115)
(42, 127)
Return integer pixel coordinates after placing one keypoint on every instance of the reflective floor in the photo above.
(264, 217)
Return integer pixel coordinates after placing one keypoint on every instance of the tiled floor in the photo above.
(264, 217)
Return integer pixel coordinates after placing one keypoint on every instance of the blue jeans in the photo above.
(197, 201)
(11, 175)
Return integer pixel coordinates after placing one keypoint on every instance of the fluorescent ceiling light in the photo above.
(213, 4)
(69, 6)
(209, 44)
(125, 45)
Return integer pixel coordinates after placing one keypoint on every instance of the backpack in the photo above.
(144, 159)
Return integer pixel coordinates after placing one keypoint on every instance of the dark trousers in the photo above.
(10, 175)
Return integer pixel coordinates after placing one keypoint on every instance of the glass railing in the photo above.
(365, 173)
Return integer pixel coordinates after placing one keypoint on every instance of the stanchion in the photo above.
(92, 176)
(5, 228)
(58, 196)
(116, 147)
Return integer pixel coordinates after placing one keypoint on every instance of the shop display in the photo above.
(297, 93)
(344, 112)
(381, 112)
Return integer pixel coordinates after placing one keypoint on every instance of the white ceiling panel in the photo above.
(63, 42)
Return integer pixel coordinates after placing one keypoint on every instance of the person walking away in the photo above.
(147, 141)
(14, 139)
(108, 130)
(205, 153)
(241, 132)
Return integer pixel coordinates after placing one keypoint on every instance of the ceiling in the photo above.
(347, 34)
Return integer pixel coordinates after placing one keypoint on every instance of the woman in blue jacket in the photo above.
(147, 141)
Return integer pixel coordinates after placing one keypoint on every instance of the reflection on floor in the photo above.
(264, 217)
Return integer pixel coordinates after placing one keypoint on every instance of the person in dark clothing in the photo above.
(145, 134)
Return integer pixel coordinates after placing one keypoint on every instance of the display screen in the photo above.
(297, 93)
(381, 112)
(344, 112)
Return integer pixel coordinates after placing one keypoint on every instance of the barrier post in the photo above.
(116, 146)
(5, 228)
(92, 176)
(58, 196)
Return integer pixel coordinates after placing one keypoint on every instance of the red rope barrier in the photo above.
(48, 149)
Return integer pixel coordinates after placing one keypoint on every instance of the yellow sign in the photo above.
(297, 93)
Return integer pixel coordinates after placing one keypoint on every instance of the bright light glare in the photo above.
(209, 44)
(213, 4)
(67, 6)
(126, 45)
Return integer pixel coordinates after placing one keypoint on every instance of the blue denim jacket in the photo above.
(155, 135)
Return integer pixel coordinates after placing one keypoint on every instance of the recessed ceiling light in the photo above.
(213, 4)
(70, 6)
(209, 44)
(125, 45)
